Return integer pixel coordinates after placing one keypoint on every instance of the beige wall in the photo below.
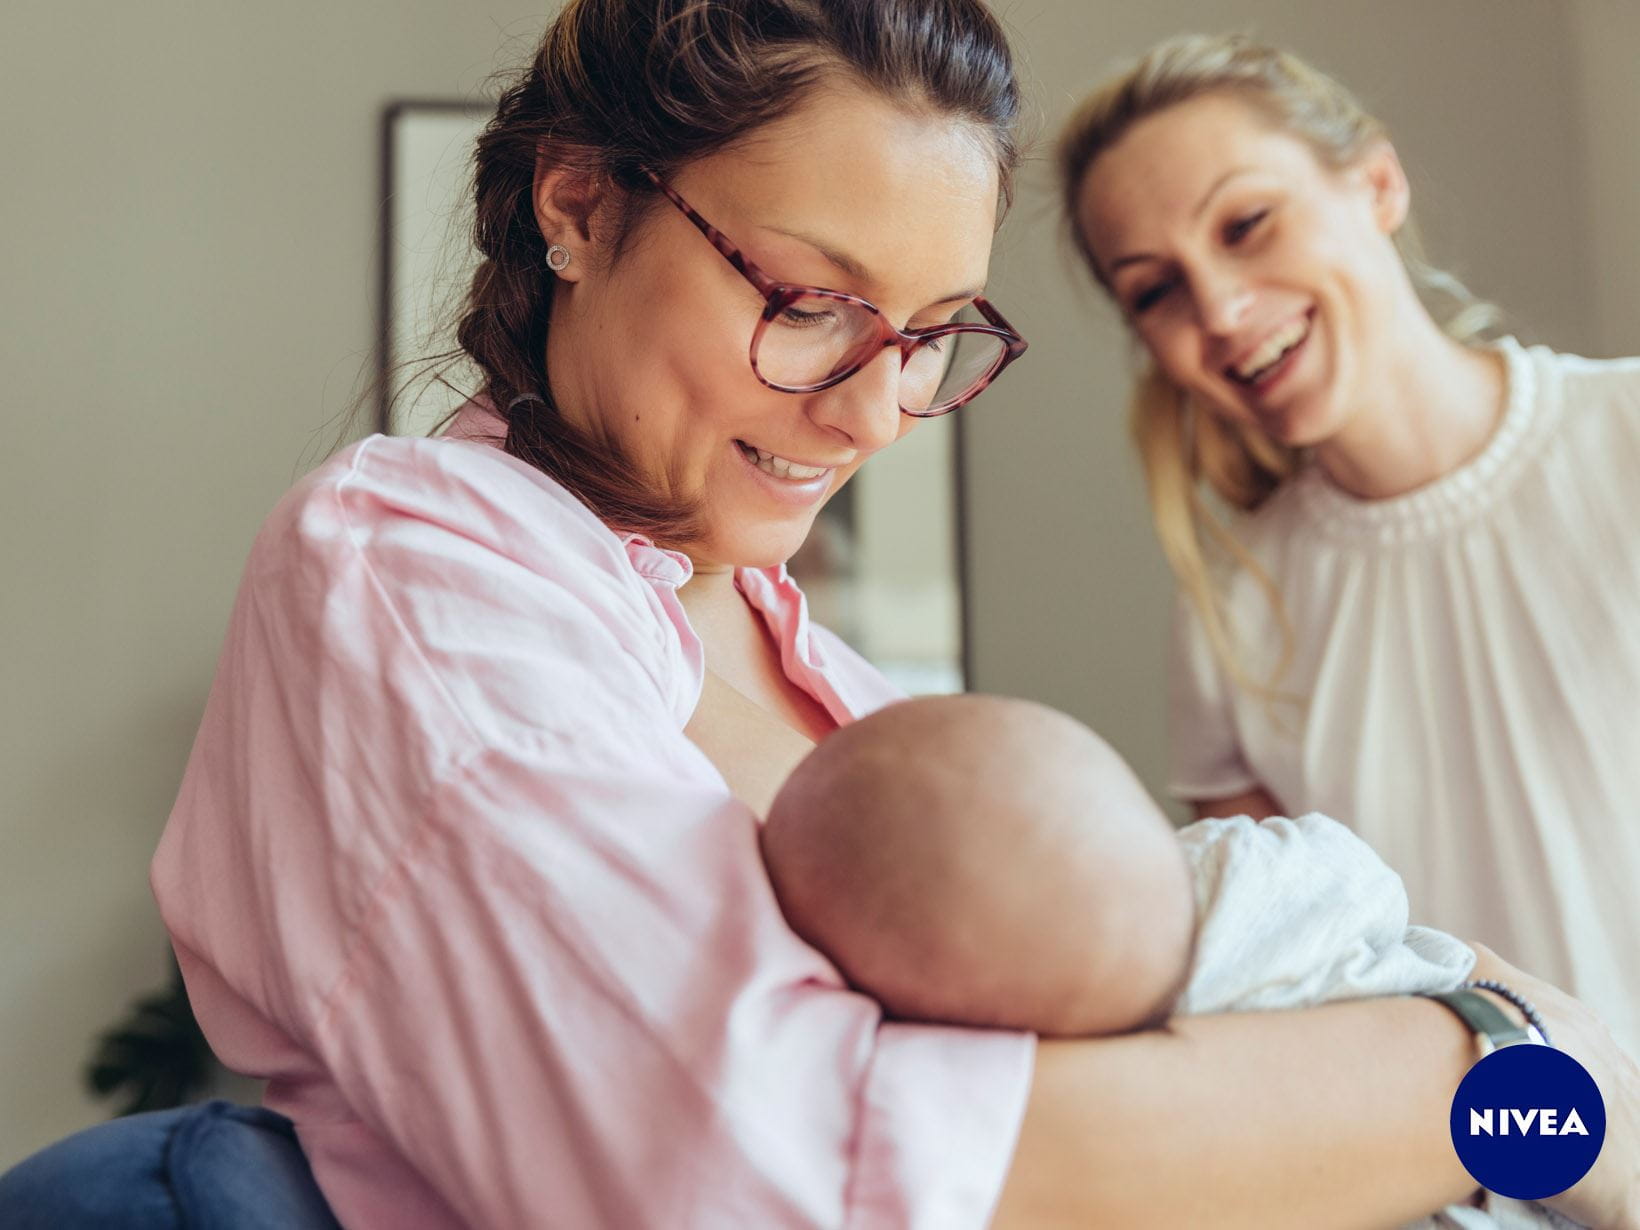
(1607, 37)
(187, 282)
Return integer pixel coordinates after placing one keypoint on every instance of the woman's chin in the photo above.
(1298, 422)
(1307, 427)
(767, 548)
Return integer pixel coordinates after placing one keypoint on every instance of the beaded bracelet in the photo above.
(1528, 1009)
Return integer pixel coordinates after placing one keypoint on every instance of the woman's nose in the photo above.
(1222, 302)
(866, 406)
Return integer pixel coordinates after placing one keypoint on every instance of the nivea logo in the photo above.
(1539, 1120)
(1528, 1122)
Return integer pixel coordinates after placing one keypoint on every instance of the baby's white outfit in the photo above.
(1293, 913)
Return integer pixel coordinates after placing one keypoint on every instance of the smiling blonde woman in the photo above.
(1407, 559)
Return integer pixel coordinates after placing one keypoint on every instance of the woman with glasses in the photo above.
(465, 862)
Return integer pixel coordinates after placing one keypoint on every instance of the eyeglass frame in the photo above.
(778, 295)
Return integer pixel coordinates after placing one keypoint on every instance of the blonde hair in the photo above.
(1179, 448)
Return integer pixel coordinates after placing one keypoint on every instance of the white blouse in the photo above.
(1468, 658)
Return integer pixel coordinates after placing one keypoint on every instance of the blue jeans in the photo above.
(214, 1166)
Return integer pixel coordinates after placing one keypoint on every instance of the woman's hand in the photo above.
(1608, 1197)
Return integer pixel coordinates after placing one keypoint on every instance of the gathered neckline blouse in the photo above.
(1459, 495)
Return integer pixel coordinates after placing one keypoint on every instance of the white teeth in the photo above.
(1276, 345)
(781, 468)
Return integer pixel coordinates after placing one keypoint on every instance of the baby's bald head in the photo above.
(985, 861)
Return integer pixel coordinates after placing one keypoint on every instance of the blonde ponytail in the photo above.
(1178, 448)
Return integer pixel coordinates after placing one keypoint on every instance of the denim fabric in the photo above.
(214, 1166)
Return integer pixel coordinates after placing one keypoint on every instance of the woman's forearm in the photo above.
(1329, 1117)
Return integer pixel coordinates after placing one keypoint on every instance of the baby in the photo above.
(982, 861)
(987, 862)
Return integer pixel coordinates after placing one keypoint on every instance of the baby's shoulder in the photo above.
(1312, 836)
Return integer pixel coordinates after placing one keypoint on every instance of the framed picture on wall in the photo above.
(882, 567)
(427, 257)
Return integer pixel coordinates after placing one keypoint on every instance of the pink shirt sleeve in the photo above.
(451, 875)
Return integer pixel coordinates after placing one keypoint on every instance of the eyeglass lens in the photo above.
(815, 338)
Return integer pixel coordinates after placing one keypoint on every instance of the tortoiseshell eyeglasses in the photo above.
(810, 338)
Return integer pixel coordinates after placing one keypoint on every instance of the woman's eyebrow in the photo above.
(842, 260)
(1134, 258)
(1220, 182)
(857, 271)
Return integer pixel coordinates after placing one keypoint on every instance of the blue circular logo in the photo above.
(1528, 1121)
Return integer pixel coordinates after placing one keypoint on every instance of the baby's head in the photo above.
(984, 861)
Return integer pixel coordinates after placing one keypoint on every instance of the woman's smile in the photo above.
(783, 479)
(1278, 378)
(1265, 364)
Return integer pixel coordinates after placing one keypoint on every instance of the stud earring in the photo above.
(557, 257)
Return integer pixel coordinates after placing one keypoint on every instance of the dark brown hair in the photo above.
(619, 86)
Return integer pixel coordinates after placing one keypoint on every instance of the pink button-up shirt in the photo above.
(445, 871)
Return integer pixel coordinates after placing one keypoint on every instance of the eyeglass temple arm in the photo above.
(743, 264)
(766, 285)
(985, 309)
